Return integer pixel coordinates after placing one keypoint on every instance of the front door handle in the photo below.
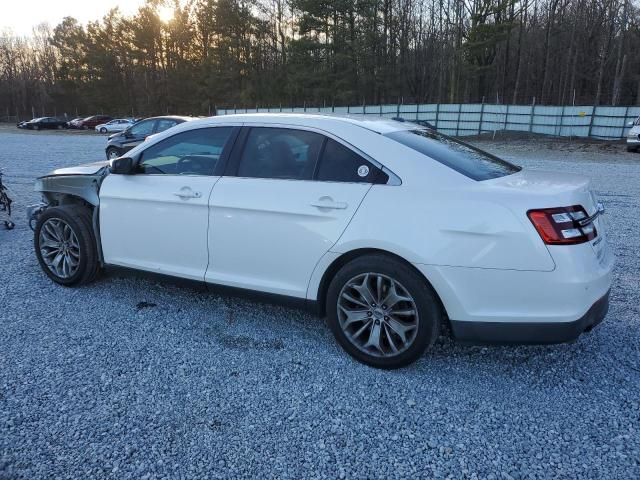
(328, 203)
(186, 192)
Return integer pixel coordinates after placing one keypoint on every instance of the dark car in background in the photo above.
(120, 143)
(89, 123)
(42, 123)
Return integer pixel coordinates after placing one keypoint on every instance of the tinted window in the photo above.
(280, 153)
(195, 152)
(164, 125)
(143, 128)
(461, 157)
(340, 164)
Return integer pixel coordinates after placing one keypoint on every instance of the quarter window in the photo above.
(280, 153)
(195, 152)
(340, 164)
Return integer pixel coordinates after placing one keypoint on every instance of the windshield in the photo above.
(459, 156)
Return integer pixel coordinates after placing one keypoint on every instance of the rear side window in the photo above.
(280, 153)
(459, 156)
(340, 164)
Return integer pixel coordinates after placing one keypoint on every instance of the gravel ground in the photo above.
(131, 378)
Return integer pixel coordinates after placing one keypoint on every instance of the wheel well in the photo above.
(345, 258)
(61, 199)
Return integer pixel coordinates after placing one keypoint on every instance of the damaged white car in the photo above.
(388, 228)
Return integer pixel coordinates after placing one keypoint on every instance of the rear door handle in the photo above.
(186, 192)
(328, 203)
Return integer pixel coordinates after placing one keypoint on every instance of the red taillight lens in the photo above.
(563, 225)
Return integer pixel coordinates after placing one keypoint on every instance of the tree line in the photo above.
(244, 53)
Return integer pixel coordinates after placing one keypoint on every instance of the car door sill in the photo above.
(257, 296)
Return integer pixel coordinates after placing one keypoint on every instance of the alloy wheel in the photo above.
(59, 248)
(378, 315)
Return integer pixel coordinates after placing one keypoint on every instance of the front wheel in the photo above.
(103, 130)
(66, 246)
(382, 312)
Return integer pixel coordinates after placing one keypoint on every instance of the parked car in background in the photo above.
(120, 143)
(115, 125)
(390, 229)
(75, 123)
(633, 136)
(43, 123)
(91, 122)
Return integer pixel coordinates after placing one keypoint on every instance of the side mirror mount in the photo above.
(127, 133)
(122, 166)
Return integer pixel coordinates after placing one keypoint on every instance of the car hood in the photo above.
(85, 169)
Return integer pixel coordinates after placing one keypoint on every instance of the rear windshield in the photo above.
(461, 157)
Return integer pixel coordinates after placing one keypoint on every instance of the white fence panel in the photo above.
(601, 122)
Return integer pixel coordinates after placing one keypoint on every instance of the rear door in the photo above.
(157, 219)
(277, 210)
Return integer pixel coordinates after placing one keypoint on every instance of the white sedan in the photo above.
(116, 125)
(391, 230)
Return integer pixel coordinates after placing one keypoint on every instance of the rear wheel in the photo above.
(113, 152)
(382, 312)
(66, 246)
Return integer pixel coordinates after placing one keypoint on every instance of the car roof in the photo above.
(170, 117)
(330, 121)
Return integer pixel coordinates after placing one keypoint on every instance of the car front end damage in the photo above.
(70, 186)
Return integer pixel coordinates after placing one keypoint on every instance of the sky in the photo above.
(21, 15)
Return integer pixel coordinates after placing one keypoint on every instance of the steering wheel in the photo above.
(191, 164)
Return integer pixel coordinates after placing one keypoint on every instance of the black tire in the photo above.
(429, 318)
(632, 149)
(38, 128)
(103, 130)
(79, 219)
(113, 150)
(85, 127)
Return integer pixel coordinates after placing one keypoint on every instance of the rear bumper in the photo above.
(532, 333)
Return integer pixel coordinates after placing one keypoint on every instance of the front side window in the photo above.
(280, 153)
(340, 164)
(195, 152)
(143, 128)
(459, 156)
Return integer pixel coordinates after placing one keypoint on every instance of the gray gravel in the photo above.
(130, 378)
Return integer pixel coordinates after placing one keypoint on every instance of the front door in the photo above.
(272, 219)
(157, 219)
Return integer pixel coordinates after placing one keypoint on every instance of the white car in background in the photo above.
(116, 125)
(391, 230)
(633, 136)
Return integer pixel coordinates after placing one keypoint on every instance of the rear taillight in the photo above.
(563, 225)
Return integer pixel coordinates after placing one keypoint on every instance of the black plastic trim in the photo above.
(530, 333)
(252, 295)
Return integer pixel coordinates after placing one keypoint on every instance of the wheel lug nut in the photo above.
(386, 318)
(373, 305)
(369, 314)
